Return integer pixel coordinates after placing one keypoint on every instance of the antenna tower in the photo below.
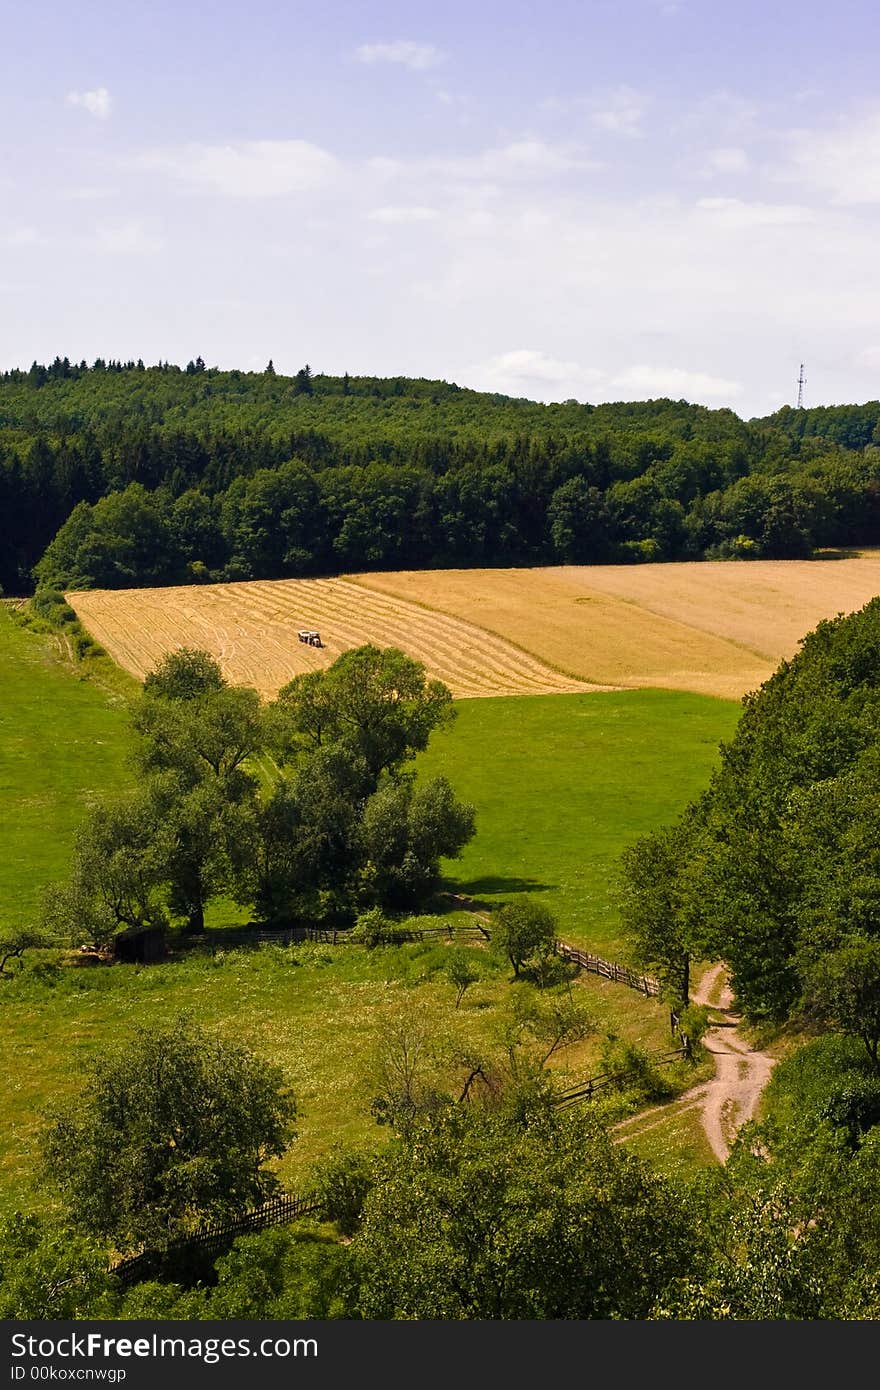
(801, 383)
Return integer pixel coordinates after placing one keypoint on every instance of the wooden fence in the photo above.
(210, 1240)
(586, 1089)
(286, 936)
(645, 984)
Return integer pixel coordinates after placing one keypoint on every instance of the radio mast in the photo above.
(801, 382)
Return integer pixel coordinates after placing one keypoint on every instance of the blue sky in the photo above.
(597, 200)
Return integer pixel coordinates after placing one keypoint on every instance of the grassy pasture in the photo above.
(63, 742)
(562, 783)
(316, 1011)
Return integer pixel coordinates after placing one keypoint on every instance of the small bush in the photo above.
(341, 1184)
(631, 1069)
(854, 1104)
(373, 928)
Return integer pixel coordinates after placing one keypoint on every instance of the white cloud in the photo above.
(740, 215)
(621, 112)
(520, 161)
(129, 238)
(526, 372)
(677, 383)
(402, 214)
(727, 159)
(85, 193)
(869, 357)
(21, 236)
(247, 168)
(418, 56)
(97, 102)
(536, 375)
(843, 162)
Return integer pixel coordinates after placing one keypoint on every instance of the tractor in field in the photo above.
(310, 636)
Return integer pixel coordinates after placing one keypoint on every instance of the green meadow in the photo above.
(562, 783)
(63, 742)
(318, 1012)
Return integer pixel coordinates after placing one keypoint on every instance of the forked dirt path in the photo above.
(741, 1072)
(731, 1097)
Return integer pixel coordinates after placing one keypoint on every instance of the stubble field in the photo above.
(718, 628)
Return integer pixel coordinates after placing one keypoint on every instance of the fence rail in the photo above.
(281, 1210)
(286, 936)
(585, 1090)
(213, 1238)
(610, 970)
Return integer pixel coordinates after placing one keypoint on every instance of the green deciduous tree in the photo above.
(842, 988)
(523, 932)
(406, 830)
(377, 702)
(475, 1217)
(172, 1128)
(212, 733)
(780, 856)
(184, 674)
(117, 877)
(50, 1270)
(14, 941)
(462, 973)
(656, 875)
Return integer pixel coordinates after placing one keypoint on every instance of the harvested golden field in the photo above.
(251, 628)
(713, 627)
(716, 628)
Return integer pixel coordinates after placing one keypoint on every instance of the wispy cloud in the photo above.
(97, 102)
(405, 52)
(525, 371)
(869, 357)
(402, 214)
(247, 168)
(522, 160)
(738, 214)
(621, 112)
(21, 236)
(727, 159)
(677, 383)
(843, 162)
(130, 238)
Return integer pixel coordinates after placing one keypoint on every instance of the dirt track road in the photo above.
(731, 1097)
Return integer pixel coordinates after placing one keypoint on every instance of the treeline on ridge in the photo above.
(120, 475)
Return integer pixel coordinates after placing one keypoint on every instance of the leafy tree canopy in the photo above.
(172, 1129)
(377, 702)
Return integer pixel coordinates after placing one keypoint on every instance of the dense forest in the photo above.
(118, 474)
(775, 867)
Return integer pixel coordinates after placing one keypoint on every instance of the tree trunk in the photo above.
(196, 919)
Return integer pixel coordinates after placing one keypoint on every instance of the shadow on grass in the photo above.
(495, 885)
